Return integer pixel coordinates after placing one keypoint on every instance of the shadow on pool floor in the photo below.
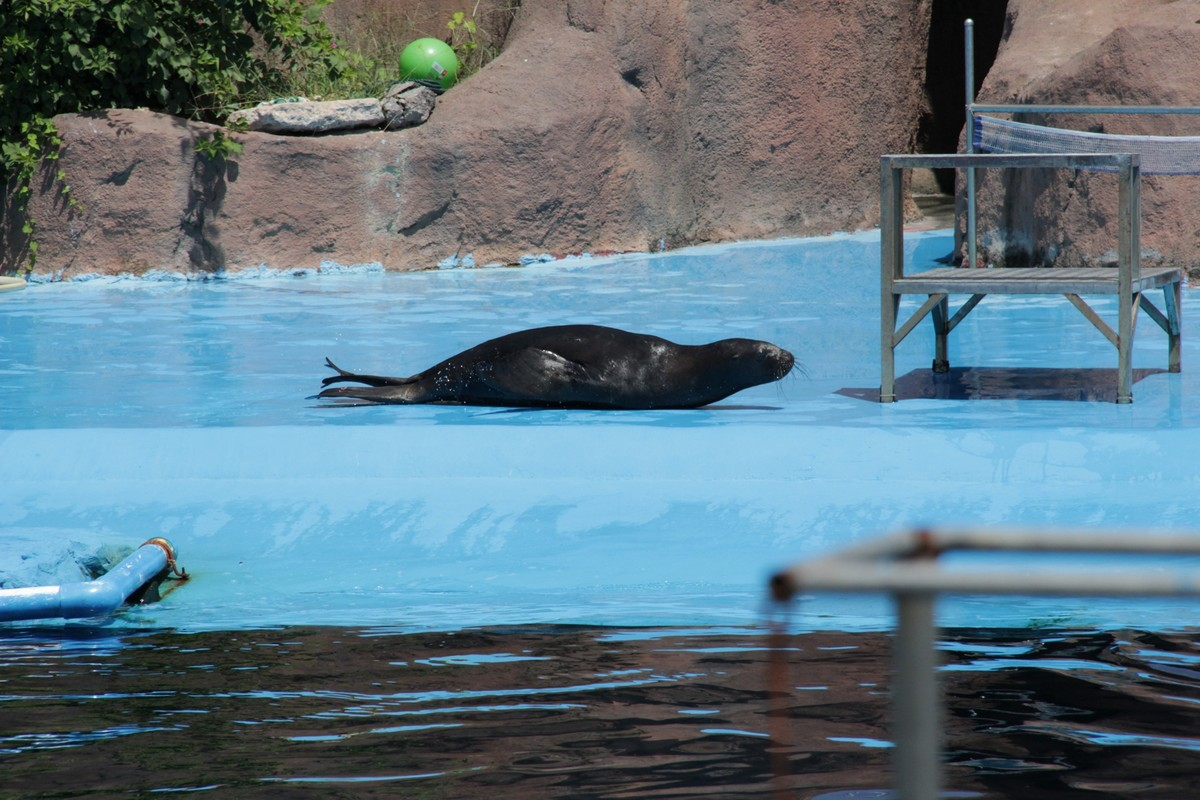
(1005, 383)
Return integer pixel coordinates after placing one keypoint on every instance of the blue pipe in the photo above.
(90, 598)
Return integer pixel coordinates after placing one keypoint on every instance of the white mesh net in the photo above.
(1160, 155)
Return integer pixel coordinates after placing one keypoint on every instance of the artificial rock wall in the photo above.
(604, 125)
(618, 125)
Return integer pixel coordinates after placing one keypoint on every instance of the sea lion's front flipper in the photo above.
(370, 380)
(536, 374)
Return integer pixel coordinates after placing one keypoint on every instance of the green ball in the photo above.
(429, 60)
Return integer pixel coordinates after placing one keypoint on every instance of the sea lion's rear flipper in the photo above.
(370, 380)
(536, 374)
(372, 395)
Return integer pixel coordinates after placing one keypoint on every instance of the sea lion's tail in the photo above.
(370, 380)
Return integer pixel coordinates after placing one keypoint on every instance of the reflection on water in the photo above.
(576, 712)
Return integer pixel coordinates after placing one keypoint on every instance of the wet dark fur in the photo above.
(578, 366)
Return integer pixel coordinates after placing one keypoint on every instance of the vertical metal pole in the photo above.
(941, 335)
(916, 702)
(1128, 263)
(969, 64)
(1171, 299)
(891, 266)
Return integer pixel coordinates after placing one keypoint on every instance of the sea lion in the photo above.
(578, 366)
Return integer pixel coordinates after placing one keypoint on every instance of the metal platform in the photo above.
(1030, 280)
(1128, 281)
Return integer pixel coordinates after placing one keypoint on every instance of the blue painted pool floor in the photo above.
(133, 409)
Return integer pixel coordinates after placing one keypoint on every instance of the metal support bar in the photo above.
(1050, 108)
(969, 65)
(1106, 162)
(1094, 318)
(904, 330)
(963, 310)
(916, 700)
(1151, 311)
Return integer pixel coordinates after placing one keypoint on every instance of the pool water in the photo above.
(134, 409)
(327, 544)
(544, 712)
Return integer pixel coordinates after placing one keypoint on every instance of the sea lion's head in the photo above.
(751, 362)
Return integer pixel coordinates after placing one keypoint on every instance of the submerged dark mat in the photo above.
(1005, 383)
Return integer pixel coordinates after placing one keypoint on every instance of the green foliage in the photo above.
(467, 42)
(371, 36)
(35, 140)
(193, 58)
(463, 35)
(362, 75)
(218, 147)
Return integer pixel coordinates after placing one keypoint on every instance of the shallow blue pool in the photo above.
(132, 409)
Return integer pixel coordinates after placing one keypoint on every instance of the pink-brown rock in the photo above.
(603, 125)
(1094, 52)
(407, 104)
(309, 117)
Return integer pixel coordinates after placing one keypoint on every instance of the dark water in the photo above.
(573, 712)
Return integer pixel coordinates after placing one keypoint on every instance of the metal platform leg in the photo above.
(1125, 349)
(1129, 258)
(941, 332)
(891, 256)
(887, 348)
(1171, 298)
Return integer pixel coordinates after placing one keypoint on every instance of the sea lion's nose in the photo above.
(786, 362)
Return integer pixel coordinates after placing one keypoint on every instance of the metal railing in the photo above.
(974, 108)
(907, 566)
